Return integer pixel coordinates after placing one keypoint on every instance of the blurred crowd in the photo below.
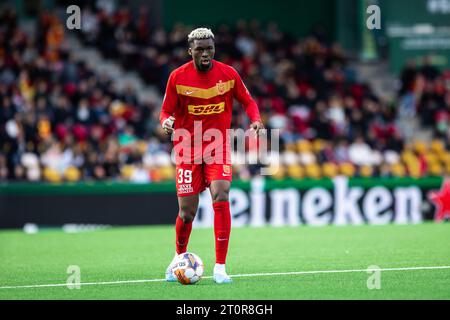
(425, 95)
(62, 121)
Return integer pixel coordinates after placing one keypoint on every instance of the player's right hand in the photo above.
(168, 125)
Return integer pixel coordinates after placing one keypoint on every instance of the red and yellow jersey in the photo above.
(205, 98)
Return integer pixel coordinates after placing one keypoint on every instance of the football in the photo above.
(188, 268)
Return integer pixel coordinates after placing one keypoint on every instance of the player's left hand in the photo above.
(257, 126)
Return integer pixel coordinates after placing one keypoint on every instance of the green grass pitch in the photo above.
(261, 257)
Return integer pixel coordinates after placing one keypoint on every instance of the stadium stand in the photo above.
(61, 121)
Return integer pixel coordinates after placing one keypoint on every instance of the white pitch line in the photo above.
(235, 276)
(336, 271)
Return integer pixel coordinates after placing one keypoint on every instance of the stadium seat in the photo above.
(420, 147)
(347, 169)
(277, 173)
(365, 171)
(51, 175)
(313, 171)
(435, 169)
(437, 146)
(447, 169)
(127, 172)
(295, 171)
(290, 147)
(431, 158)
(304, 146)
(155, 175)
(445, 157)
(414, 169)
(408, 156)
(72, 174)
(330, 170)
(398, 170)
(318, 145)
(167, 172)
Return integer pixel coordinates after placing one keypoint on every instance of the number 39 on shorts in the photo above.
(184, 176)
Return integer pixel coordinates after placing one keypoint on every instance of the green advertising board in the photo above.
(415, 29)
(293, 16)
(259, 202)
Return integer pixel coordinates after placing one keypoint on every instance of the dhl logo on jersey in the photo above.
(206, 109)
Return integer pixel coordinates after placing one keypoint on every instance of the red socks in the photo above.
(183, 231)
(222, 228)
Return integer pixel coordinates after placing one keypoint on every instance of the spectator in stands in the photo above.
(59, 114)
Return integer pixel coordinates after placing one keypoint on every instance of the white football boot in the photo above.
(220, 274)
(170, 276)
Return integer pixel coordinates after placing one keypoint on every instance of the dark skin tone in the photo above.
(202, 52)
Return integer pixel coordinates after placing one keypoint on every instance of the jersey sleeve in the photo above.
(170, 101)
(243, 96)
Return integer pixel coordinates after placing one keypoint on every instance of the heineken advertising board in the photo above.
(332, 202)
(255, 203)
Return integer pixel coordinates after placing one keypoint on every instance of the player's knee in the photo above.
(187, 214)
(220, 196)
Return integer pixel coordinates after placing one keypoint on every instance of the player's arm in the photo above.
(251, 108)
(170, 102)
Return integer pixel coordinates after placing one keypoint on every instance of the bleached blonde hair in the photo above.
(199, 34)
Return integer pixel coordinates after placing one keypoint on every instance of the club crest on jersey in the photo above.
(221, 87)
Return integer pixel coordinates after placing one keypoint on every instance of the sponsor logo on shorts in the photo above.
(226, 170)
(185, 188)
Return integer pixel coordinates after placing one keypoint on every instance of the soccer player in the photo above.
(199, 97)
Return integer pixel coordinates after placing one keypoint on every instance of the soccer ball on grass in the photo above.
(188, 268)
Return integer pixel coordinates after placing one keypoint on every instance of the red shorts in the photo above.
(192, 179)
